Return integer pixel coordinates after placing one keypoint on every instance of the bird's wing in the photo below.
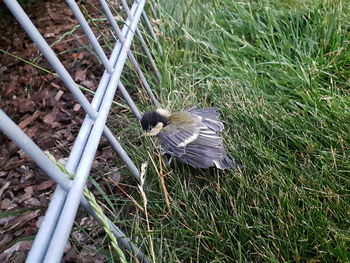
(205, 150)
(174, 138)
(210, 118)
(194, 144)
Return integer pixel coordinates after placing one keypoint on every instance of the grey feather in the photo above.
(210, 118)
(173, 135)
(211, 113)
(204, 148)
(224, 163)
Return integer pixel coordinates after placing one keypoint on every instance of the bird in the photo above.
(190, 136)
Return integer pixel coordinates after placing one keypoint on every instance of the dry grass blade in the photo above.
(145, 202)
(161, 179)
(129, 196)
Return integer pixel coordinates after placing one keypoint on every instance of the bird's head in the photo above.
(154, 121)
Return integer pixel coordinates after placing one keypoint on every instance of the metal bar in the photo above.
(65, 223)
(12, 131)
(51, 217)
(149, 26)
(130, 55)
(152, 8)
(96, 102)
(129, 101)
(28, 26)
(115, 229)
(143, 42)
(42, 238)
(84, 24)
(148, 53)
(108, 65)
(50, 220)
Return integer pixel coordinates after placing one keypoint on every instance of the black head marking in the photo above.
(150, 120)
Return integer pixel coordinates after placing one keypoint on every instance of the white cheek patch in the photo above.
(165, 113)
(188, 140)
(155, 130)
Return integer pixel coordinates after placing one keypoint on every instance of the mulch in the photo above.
(47, 112)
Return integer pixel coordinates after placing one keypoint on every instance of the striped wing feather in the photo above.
(174, 138)
(197, 144)
(202, 152)
(210, 118)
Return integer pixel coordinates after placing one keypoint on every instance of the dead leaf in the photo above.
(63, 117)
(13, 163)
(22, 154)
(88, 222)
(46, 141)
(116, 176)
(20, 186)
(19, 257)
(86, 256)
(80, 75)
(5, 220)
(107, 153)
(79, 236)
(18, 232)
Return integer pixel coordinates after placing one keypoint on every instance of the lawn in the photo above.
(278, 71)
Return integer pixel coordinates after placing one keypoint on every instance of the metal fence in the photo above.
(55, 229)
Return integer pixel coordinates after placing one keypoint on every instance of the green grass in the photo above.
(279, 73)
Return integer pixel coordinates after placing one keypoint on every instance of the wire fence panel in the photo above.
(55, 229)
